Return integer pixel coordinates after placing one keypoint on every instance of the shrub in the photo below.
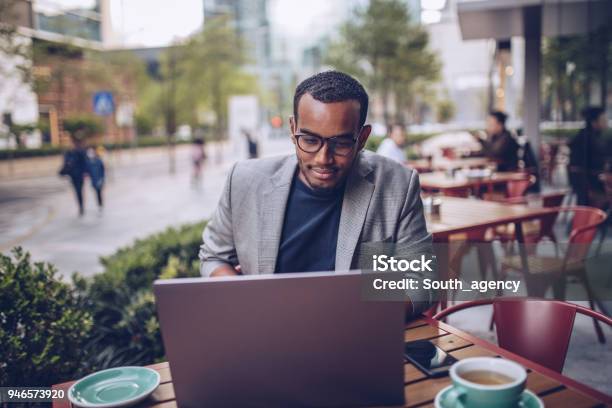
(126, 330)
(373, 142)
(83, 126)
(43, 325)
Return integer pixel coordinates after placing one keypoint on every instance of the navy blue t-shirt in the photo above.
(310, 229)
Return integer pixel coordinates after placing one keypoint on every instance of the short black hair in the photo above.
(332, 86)
(591, 113)
(500, 116)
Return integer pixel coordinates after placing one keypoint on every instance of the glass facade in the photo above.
(73, 18)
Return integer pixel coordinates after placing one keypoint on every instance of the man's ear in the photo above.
(292, 127)
(363, 136)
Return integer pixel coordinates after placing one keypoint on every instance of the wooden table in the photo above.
(440, 181)
(468, 216)
(462, 215)
(420, 391)
(444, 164)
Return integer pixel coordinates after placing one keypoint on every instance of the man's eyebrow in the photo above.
(310, 132)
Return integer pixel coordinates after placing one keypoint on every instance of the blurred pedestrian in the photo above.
(393, 145)
(75, 167)
(590, 155)
(95, 168)
(252, 144)
(198, 156)
(499, 145)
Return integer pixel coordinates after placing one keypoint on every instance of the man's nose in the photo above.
(325, 155)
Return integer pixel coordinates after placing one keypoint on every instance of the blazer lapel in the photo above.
(354, 209)
(271, 215)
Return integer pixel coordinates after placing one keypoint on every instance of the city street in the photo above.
(141, 198)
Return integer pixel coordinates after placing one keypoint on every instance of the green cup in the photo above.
(486, 382)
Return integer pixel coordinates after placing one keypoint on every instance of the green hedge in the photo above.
(22, 153)
(51, 331)
(44, 325)
(125, 329)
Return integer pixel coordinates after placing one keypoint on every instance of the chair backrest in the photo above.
(585, 222)
(550, 200)
(518, 187)
(537, 329)
(461, 192)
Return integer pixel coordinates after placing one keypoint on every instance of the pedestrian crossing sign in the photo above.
(103, 103)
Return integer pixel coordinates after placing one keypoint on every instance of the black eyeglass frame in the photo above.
(331, 142)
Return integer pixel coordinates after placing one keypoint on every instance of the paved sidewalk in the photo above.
(141, 198)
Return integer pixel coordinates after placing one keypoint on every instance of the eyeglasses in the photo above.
(338, 145)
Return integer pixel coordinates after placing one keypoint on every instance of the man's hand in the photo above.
(226, 270)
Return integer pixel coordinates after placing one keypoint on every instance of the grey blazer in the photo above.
(381, 204)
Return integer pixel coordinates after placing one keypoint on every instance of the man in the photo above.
(75, 166)
(318, 209)
(590, 156)
(393, 146)
(499, 145)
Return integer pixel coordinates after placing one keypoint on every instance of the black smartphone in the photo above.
(428, 357)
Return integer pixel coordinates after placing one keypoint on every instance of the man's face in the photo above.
(398, 135)
(324, 169)
(493, 126)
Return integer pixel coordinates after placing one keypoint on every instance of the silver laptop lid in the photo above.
(303, 339)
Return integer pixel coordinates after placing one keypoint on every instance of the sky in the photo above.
(154, 23)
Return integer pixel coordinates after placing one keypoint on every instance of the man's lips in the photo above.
(323, 173)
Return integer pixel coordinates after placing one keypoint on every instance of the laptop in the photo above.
(286, 340)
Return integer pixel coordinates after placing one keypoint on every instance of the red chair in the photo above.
(513, 189)
(534, 231)
(537, 329)
(606, 178)
(544, 270)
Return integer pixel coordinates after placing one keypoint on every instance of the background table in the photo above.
(462, 215)
(420, 391)
(450, 164)
(439, 181)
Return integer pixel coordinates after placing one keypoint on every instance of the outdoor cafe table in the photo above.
(462, 215)
(444, 164)
(440, 181)
(465, 215)
(553, 388)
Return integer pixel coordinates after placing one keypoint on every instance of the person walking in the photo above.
(75, 167)
(95, 168)
(198, 156)
(251, 144)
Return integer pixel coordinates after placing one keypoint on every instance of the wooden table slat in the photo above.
(416, 323)
(411, 373)
(472, 351)
(423, 333)
(450, 342)
(569, 398)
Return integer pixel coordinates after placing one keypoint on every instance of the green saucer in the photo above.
(528, 400)
(115, 387)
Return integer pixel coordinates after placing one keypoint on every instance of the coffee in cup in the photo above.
(486, 382)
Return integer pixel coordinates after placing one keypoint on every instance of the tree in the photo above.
(381, 45)
(210, 70)
(571, 66)
(12, 44)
